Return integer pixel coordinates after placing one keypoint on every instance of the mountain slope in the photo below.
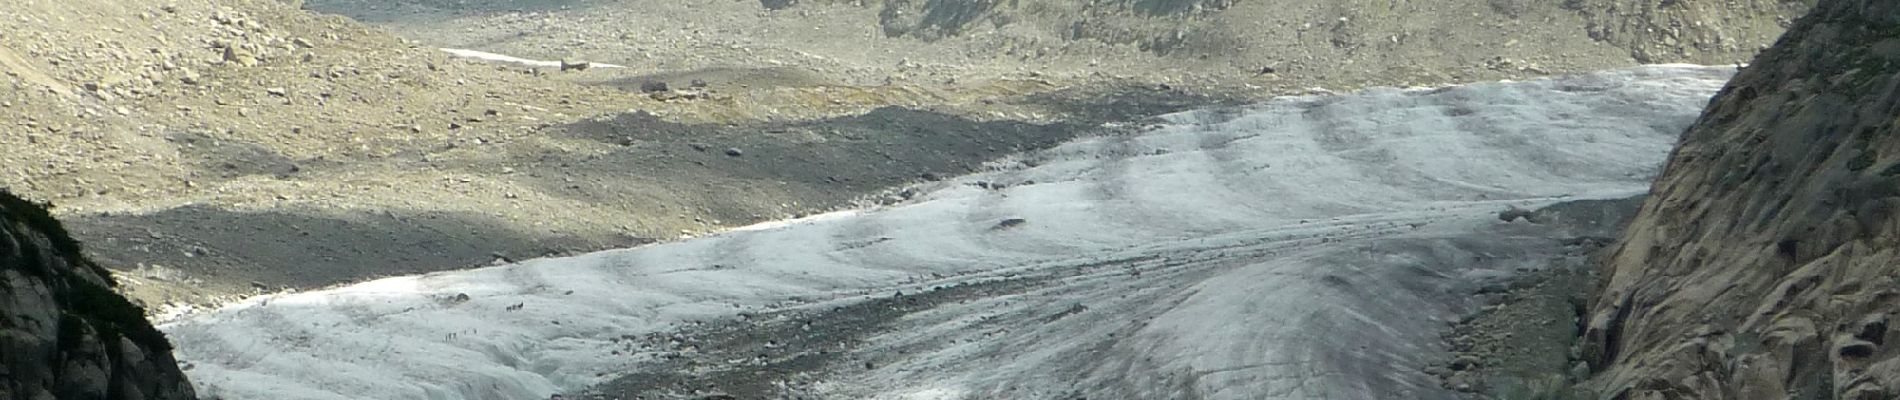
(1336, 44)
(1763, 264)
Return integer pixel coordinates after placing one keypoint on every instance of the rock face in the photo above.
(1700, 31)
(64, 334)
(1766, 263)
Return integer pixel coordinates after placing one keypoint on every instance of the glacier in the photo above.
(1308, 247)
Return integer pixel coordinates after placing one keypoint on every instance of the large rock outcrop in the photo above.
(1766, 263)
(64, 333)
(1698, 31)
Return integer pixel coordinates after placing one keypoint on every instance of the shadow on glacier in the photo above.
(829, 162)
(303, 250)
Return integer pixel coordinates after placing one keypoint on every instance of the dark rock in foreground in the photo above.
(1763, 264)
(64, 333)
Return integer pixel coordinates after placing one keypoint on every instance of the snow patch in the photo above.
(500, 58)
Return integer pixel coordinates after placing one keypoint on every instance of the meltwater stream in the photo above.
(1308, 247)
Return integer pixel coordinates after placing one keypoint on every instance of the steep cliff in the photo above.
(64, 334)
(1763, 266)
